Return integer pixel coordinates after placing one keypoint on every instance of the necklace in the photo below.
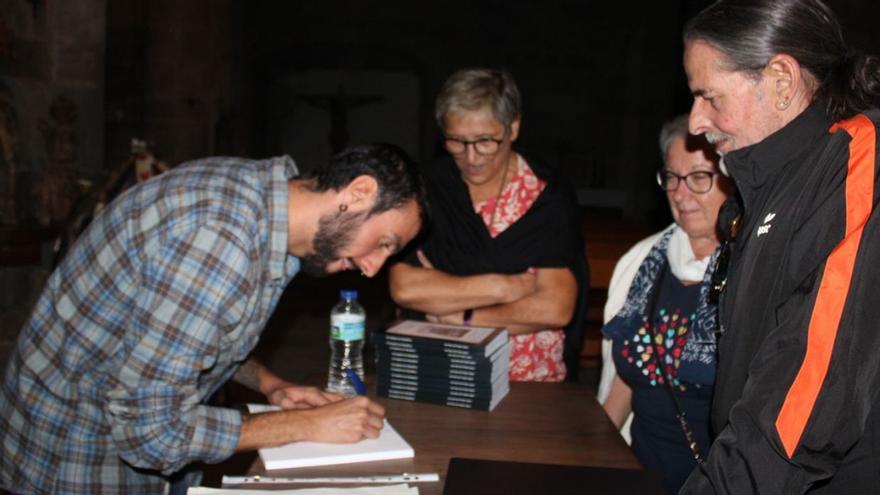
(500, 191)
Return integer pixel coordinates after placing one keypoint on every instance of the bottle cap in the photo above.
(348, 294)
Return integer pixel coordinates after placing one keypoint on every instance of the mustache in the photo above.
(716, 137)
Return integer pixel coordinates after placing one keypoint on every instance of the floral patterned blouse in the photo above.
(537, 356)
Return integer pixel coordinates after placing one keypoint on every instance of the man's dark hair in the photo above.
(396, 173)
(750, 32)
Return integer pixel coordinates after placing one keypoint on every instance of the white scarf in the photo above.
(682, 260)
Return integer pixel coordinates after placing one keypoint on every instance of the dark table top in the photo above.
(550, 423)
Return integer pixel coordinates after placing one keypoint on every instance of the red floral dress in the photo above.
(537, 356)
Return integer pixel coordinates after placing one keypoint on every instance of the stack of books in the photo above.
(453, 365)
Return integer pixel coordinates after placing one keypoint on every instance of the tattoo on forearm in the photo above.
(249, 375)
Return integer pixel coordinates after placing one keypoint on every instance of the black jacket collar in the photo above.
(753, 165)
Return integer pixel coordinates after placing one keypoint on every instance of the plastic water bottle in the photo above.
(347, 323)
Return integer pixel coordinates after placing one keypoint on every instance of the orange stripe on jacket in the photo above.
(834, 286)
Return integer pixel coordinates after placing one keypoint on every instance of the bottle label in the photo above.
(347, 327)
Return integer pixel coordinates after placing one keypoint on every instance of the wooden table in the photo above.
(557, 423)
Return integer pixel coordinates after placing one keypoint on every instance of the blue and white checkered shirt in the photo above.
(154, 308)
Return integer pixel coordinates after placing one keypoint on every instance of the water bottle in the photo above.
(347, 323)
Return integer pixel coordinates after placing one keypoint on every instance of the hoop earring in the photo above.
(343, 207)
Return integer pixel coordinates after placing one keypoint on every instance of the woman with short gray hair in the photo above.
(504, 248)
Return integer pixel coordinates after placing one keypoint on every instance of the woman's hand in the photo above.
(518, 285)
(509, 288)
(456, 318)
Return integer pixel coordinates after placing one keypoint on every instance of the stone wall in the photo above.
(175, 79)
(51, 105)
(51, 136)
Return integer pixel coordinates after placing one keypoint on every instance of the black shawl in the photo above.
(547, 236)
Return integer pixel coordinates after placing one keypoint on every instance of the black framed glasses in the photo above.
(718, 282)
(483, 146)
(699, 182)
(719, 273)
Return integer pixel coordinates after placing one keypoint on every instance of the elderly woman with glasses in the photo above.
(659, 350)
(504, 248)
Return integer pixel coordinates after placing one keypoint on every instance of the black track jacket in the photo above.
(796, 400)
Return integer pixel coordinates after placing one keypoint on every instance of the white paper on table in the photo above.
(389, 445)
(402, 489)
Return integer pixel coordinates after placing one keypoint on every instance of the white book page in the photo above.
(389, 445)
(362, 490)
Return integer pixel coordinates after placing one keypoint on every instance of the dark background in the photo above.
(259, 78)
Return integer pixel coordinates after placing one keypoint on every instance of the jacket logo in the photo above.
(765, 228)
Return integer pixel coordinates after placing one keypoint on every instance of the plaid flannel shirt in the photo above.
(154, 308)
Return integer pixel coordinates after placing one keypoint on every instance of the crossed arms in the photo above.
(536, 299)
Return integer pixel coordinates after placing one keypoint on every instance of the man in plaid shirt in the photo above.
(161, 301)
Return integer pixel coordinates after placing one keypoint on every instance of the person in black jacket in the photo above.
(504, 247)
(793, 110)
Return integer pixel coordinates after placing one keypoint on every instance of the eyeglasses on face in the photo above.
(698, 182)
(483, 146)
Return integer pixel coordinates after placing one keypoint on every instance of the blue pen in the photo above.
(356, 382)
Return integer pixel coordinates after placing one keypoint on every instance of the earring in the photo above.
(782, 104)
(343, 207)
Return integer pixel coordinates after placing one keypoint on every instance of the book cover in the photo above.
(422, 353)
(384, 389)
(481, 340)
(438, 352)
(486, 404)
(439, 374)
(442, 375)
(474, 389)
(441, 367)
(391, 359)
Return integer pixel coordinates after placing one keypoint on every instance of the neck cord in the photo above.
(500, 191)
(652, 308)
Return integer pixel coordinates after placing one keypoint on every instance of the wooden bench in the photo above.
(607, 238)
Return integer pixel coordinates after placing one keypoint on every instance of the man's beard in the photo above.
(335, 232)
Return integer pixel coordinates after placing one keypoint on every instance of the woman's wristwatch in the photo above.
(467, 316)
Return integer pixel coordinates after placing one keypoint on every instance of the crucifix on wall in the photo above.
(338, 105)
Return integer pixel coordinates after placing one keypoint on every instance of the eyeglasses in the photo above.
(719, 273)
(699, 182)
(484, 146)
